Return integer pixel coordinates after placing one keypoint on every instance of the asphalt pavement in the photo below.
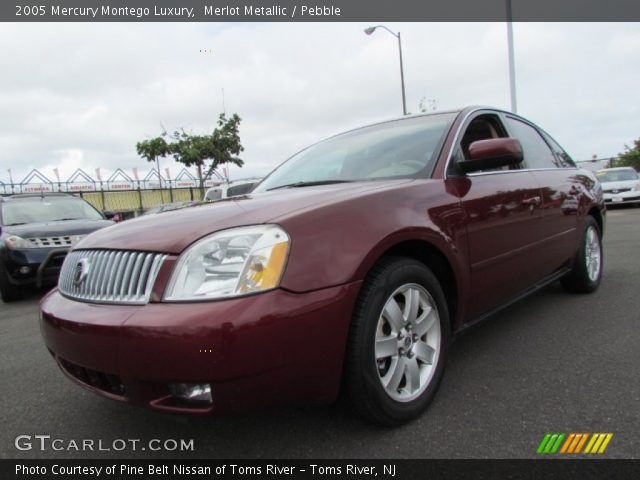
(554, 362)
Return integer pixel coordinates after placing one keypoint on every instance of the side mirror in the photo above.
(492, 153)
(111, 215)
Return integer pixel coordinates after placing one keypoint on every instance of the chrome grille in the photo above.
(617, 190)
(65, 241)
(109, 276)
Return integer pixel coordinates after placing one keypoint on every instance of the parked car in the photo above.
(620, 185)
(231, 189)
(352, 264)
(36, 231)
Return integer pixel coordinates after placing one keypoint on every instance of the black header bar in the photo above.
(318, 10)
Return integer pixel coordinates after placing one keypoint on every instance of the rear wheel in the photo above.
(397, 342)
(8, 291)
(586, 273)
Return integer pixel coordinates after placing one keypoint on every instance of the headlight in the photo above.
(637, 187)
(230, 263)
(13, 242)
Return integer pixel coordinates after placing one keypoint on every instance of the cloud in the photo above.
(81, 95)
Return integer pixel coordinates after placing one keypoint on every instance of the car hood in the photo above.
(618, 185)
(171, 232)
(56, 229)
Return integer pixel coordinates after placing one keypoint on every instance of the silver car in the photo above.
(620, 185)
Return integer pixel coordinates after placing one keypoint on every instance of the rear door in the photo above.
(502, 210)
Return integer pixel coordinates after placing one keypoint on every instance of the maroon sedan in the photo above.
(351, 265)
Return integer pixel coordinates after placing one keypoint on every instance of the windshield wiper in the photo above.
(65, 219)
(15, 224)
(308, 184)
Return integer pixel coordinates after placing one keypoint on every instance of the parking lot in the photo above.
(554, 362)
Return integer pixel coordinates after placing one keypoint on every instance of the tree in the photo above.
(630, 157)
(222, 146)
(152, 149)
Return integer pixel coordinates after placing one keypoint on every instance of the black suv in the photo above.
(36, 231)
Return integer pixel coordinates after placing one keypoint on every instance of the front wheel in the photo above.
(586, 272)
(397, 342)
(8, 291)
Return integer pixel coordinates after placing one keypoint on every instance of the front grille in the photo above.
(617, 190)
(109, 276)
(102, 381)
(66, 241)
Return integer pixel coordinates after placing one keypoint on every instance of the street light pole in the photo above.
(404, 97)
(369, 31)
(512, 66)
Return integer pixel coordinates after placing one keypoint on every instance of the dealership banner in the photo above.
(318, 10)
(317, 469)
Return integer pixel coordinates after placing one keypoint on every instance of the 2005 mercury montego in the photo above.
(352, 264)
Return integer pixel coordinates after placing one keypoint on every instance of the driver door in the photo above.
(502, 210)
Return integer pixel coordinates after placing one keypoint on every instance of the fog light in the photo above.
(24, 270)
(192, 392)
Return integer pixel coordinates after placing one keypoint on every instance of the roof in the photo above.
(25, 196)
(616, 168)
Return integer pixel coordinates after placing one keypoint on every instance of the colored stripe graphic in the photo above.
(591, 442)
(550, 443)
(573, 443)
(555, 447)
(543, 443)
(598, 442)
(604, 445)
(568, 442)
(581, 443)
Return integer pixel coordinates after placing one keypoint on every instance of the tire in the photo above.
(379, 330)
(8, 291)
(586, 272)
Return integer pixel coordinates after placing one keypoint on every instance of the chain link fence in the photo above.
(119, 194)
(131, 203)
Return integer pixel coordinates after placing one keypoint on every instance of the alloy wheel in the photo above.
(593, 254)
(408, 341)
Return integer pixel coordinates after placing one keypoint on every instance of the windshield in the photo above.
(617, 175)
(16, 212)
(396, 149)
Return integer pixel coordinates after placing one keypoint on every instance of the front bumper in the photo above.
(622, 197)
(261, 350)
(39, 266)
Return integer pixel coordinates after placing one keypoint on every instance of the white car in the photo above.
(620, 185)
(232, 189)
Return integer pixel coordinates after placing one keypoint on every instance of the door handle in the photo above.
(532, 201)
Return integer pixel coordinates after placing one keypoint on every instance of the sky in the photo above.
(81, 95)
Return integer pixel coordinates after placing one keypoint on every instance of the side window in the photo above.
(563, 159)
(214, 194)
(238, 190)
(537, 153)
(483, 127)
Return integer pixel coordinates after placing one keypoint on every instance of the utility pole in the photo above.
(512, 66)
